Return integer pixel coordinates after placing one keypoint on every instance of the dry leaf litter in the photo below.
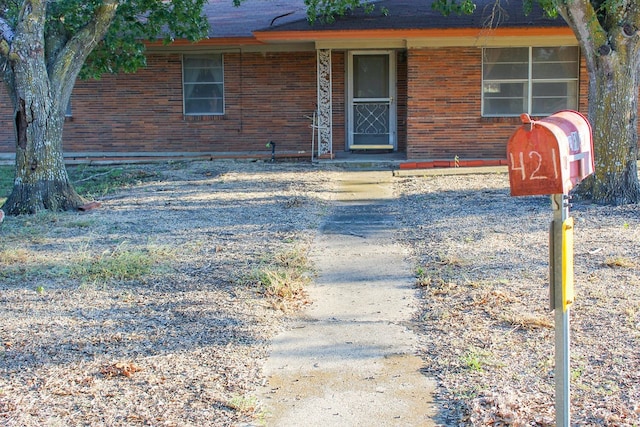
(482, 262)
(184, 345)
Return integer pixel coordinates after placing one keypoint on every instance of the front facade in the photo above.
(411, 82)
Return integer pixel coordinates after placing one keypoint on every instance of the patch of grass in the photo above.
(30, 228)
(95, 181)
(475, 360)
(244, 404)
(283, 278)
(576, 373)
(119, 264)
(528, 321)
(423, 278)
(280, 283)
(619, 262)
(20, 265)
(6, 182)
(79, 223)
(14, 256)
(89, 181)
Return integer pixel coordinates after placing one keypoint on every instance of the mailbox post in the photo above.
(550, 157)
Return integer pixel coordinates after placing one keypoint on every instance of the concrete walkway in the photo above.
(349, 359)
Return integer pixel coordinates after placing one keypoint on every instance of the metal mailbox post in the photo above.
(550, 157)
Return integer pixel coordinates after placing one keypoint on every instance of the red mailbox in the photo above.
(550, 156)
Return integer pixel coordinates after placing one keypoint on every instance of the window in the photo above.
(534, 80)
(203, 84)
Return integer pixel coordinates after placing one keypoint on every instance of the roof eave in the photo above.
(208, 42)
(439, 33)
(389, 38)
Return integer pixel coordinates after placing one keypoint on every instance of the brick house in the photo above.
(404, 79)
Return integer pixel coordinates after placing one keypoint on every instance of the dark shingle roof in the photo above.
(419, 14)
(229, 21)
(290, 15)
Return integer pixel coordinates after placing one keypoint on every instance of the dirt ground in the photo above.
(184, 344)
(487, 332)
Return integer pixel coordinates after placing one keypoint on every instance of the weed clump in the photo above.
(283, 279)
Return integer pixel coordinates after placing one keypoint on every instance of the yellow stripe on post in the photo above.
(567, 263)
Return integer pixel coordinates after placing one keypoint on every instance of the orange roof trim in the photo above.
(272, 36)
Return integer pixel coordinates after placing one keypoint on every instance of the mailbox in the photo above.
(550, 156)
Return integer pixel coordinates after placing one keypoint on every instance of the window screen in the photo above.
(203, 84)
(534, 80)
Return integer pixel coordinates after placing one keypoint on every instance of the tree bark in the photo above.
(613, 109)
(611, 47)
(42, 74)
(41, 180)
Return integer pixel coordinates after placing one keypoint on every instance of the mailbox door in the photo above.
(534, 158)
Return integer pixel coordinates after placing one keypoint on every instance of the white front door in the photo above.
(371, 93)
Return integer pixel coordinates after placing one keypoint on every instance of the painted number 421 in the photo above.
(534, 165)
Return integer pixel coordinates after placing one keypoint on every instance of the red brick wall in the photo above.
(7, 132)
(266, 97)
(401, 95)
(338, 94)
(444, 107)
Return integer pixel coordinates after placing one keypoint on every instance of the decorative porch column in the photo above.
(325, 109)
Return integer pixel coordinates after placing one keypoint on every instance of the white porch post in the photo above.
(325, 108)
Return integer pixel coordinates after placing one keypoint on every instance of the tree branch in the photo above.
(4, 48)
(6, 32)
(6, 37)
(583, 20)
(73, 55)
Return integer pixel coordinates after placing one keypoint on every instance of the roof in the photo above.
(290, 15)
(226, 20)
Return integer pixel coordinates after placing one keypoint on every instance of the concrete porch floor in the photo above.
(364, 159)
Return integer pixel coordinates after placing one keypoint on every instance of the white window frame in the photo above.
(185, 84)
(529, 81)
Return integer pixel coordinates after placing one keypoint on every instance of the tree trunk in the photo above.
(610, 44)
(613, 110)
(41, 181)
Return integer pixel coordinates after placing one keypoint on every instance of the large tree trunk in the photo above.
(613, 110)
(41, 180)
(610, 44)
